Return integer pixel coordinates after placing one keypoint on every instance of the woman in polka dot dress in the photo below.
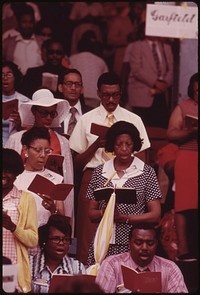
(124, 170)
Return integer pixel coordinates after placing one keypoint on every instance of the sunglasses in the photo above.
(43, 114)
(57, 52)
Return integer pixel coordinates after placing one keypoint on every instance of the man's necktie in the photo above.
(110, 119)
(156, 58)
(72, 121)
(107, 155)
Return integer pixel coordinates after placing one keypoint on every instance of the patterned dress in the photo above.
(139, 176)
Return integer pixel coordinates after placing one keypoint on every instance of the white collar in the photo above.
(135, 169)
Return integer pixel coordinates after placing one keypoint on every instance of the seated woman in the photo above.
(19, 219)
(54, 241)
(124, 170)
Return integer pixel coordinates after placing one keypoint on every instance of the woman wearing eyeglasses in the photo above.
(36, 146)
(54, 241)
(44, 110)
(11, 80)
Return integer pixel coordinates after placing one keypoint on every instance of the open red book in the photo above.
(8, 107)
(64, 282)
(99, 130)
(42, 185)
(146, 282)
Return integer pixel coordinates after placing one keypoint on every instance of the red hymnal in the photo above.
(143, 282)
(42, 185)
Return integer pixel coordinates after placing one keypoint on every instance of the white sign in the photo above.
(172, 21)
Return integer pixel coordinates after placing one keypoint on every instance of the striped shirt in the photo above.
(110, 275)
(40, 272)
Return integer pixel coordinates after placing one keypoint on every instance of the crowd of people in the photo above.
(57, 85)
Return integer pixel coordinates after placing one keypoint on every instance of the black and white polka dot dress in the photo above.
(147, 189)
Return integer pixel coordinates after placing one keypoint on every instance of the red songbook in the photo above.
(64, 282)
(143, 282)
(42, 185)
(8, 107)
(191, 121)
(54, 163)
(99, 130)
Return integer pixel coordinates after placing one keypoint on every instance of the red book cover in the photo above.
(42, 185)
(8, 107)
(143, 282)
(54, 163)
(191, 121)
(63, 282)
(99, 130)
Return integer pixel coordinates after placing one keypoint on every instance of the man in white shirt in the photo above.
(88, 152)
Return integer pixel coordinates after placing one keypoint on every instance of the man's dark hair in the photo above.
(109, 78)
(145, 225)
(66, 72)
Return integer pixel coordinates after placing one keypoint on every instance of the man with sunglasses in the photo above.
(88, 149)
(47, 74)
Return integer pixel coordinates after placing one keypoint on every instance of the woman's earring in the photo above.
(26, 155)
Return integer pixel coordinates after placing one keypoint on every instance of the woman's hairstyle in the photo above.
(109, 78)
(16, 72)
(193, 79)
(12, 162)
(122, 127)
(60, 222)
(35, 133)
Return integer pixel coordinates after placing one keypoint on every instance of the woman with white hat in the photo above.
(44, 110)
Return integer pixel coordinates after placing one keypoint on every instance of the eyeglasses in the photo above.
(115, 95)
(40, 150)
(70, 83)
(43, 113)
(7, 75)
(57, 240)
(58, 52)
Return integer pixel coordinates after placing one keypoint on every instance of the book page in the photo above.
(50, 81)
(8, 107)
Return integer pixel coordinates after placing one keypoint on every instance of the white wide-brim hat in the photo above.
(43, 98)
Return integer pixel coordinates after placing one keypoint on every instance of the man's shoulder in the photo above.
(164, 261)
(117, 258)
(128, 113)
